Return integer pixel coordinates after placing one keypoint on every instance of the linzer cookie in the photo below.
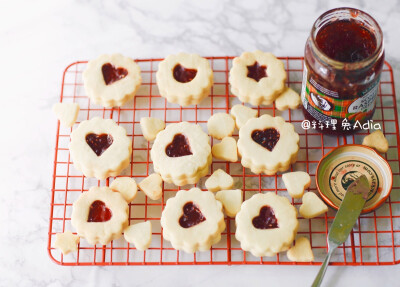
(181, 153)
(111, 80)
(192, 220)
(266, 224)
(257, 78)
(100, 148)
(268, 144)
(185, 79)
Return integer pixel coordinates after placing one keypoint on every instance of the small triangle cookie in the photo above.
(126, 186)
(296, 182)
(377, 141)
(312, 206)
(220, 125)
(66, 242)
(225, 150)
(231, 200)
(151, 127)
(289, 99)
(242, 114)
(301, 251)
(139, 234)
(66, 113)
(219, 180)
(152, 186)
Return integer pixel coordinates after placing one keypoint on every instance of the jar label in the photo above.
(324, 104)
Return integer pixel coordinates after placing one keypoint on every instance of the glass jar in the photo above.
(343, 60)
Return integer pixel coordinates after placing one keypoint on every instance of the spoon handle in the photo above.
(318, 280)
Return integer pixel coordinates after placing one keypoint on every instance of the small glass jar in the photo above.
(343, 60)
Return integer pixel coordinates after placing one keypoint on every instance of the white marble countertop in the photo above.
(40, 38)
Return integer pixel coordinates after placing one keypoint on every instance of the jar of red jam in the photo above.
(343, 60)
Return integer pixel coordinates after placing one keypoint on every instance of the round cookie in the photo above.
(192, 220)
(185, 79)
(111, 80)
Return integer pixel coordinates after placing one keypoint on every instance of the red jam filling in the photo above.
(352, 44)
(191, 215)
(266, 138)
(266, 219)
(178, 147)
(112, 74)
(184, 75)
(99, 212)
(256, 72)
(99, 143)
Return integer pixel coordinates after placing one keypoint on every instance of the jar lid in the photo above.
(341, 166)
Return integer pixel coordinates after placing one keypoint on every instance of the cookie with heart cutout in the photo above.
(184, 79)
(257, 78)
(181, 153)
(100, 215)
(192, 220)
(111, 80)
(266, 224)
(100, 148)
(268, 144)
(377, 140)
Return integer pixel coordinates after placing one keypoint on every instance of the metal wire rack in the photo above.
(375, 239)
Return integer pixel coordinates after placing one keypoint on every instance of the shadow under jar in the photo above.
(344, 57)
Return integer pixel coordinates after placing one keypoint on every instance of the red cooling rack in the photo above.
(375, 239)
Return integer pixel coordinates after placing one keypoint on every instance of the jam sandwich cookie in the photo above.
(266, 224)
(66, 113)
(296, 182)
(301, 251)
(257, 78)
(226, 150)
(126, 186)
(67, 242)
(220, 125)
(231, 200)
(181, 153)
(242, 114)
(289, 99)
(268, 144)
(192, 220)
(100, 215)
(139, 234)
(152, 186)
(377, 140)
(111, 80)
(100, 148)
(184, 79)
(151, 127)
(312, 206)
(219, 180)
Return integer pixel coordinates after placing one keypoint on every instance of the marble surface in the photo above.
(40, 38)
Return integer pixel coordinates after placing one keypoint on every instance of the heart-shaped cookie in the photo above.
(184, 75)
(225, 150)
(296, 182)
(257, 72)
(289, 99)
(219, 180)
(242, 114)
(265, 219)
(112, 74)
(312, 206)
(267, 138)
(301, 251)
(377, 141)
(139, 234)
(99, 212)
(152, 186)
(231, 200)
(66, 113)
(151, 127)
(191, 215)
(99, 143)
(178, 147)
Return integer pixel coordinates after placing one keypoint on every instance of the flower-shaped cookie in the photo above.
(266, 224)
(185, 79)
(257, 78)
(111, 80)
(100, 215)
(100, 148)
(181, 153)
(268, 144)
(193, 220)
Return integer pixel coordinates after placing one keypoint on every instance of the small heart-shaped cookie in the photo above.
(219, 180)
(312, 206)
(151, 127)
(225, 150)
(289, 99)
(231, 200)
(242, 114)
(152, 186)
(66, 113)
(220, 125)
(139, 234)
(126, 186)
(296, 182)
(301, 251)
(377, 141)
